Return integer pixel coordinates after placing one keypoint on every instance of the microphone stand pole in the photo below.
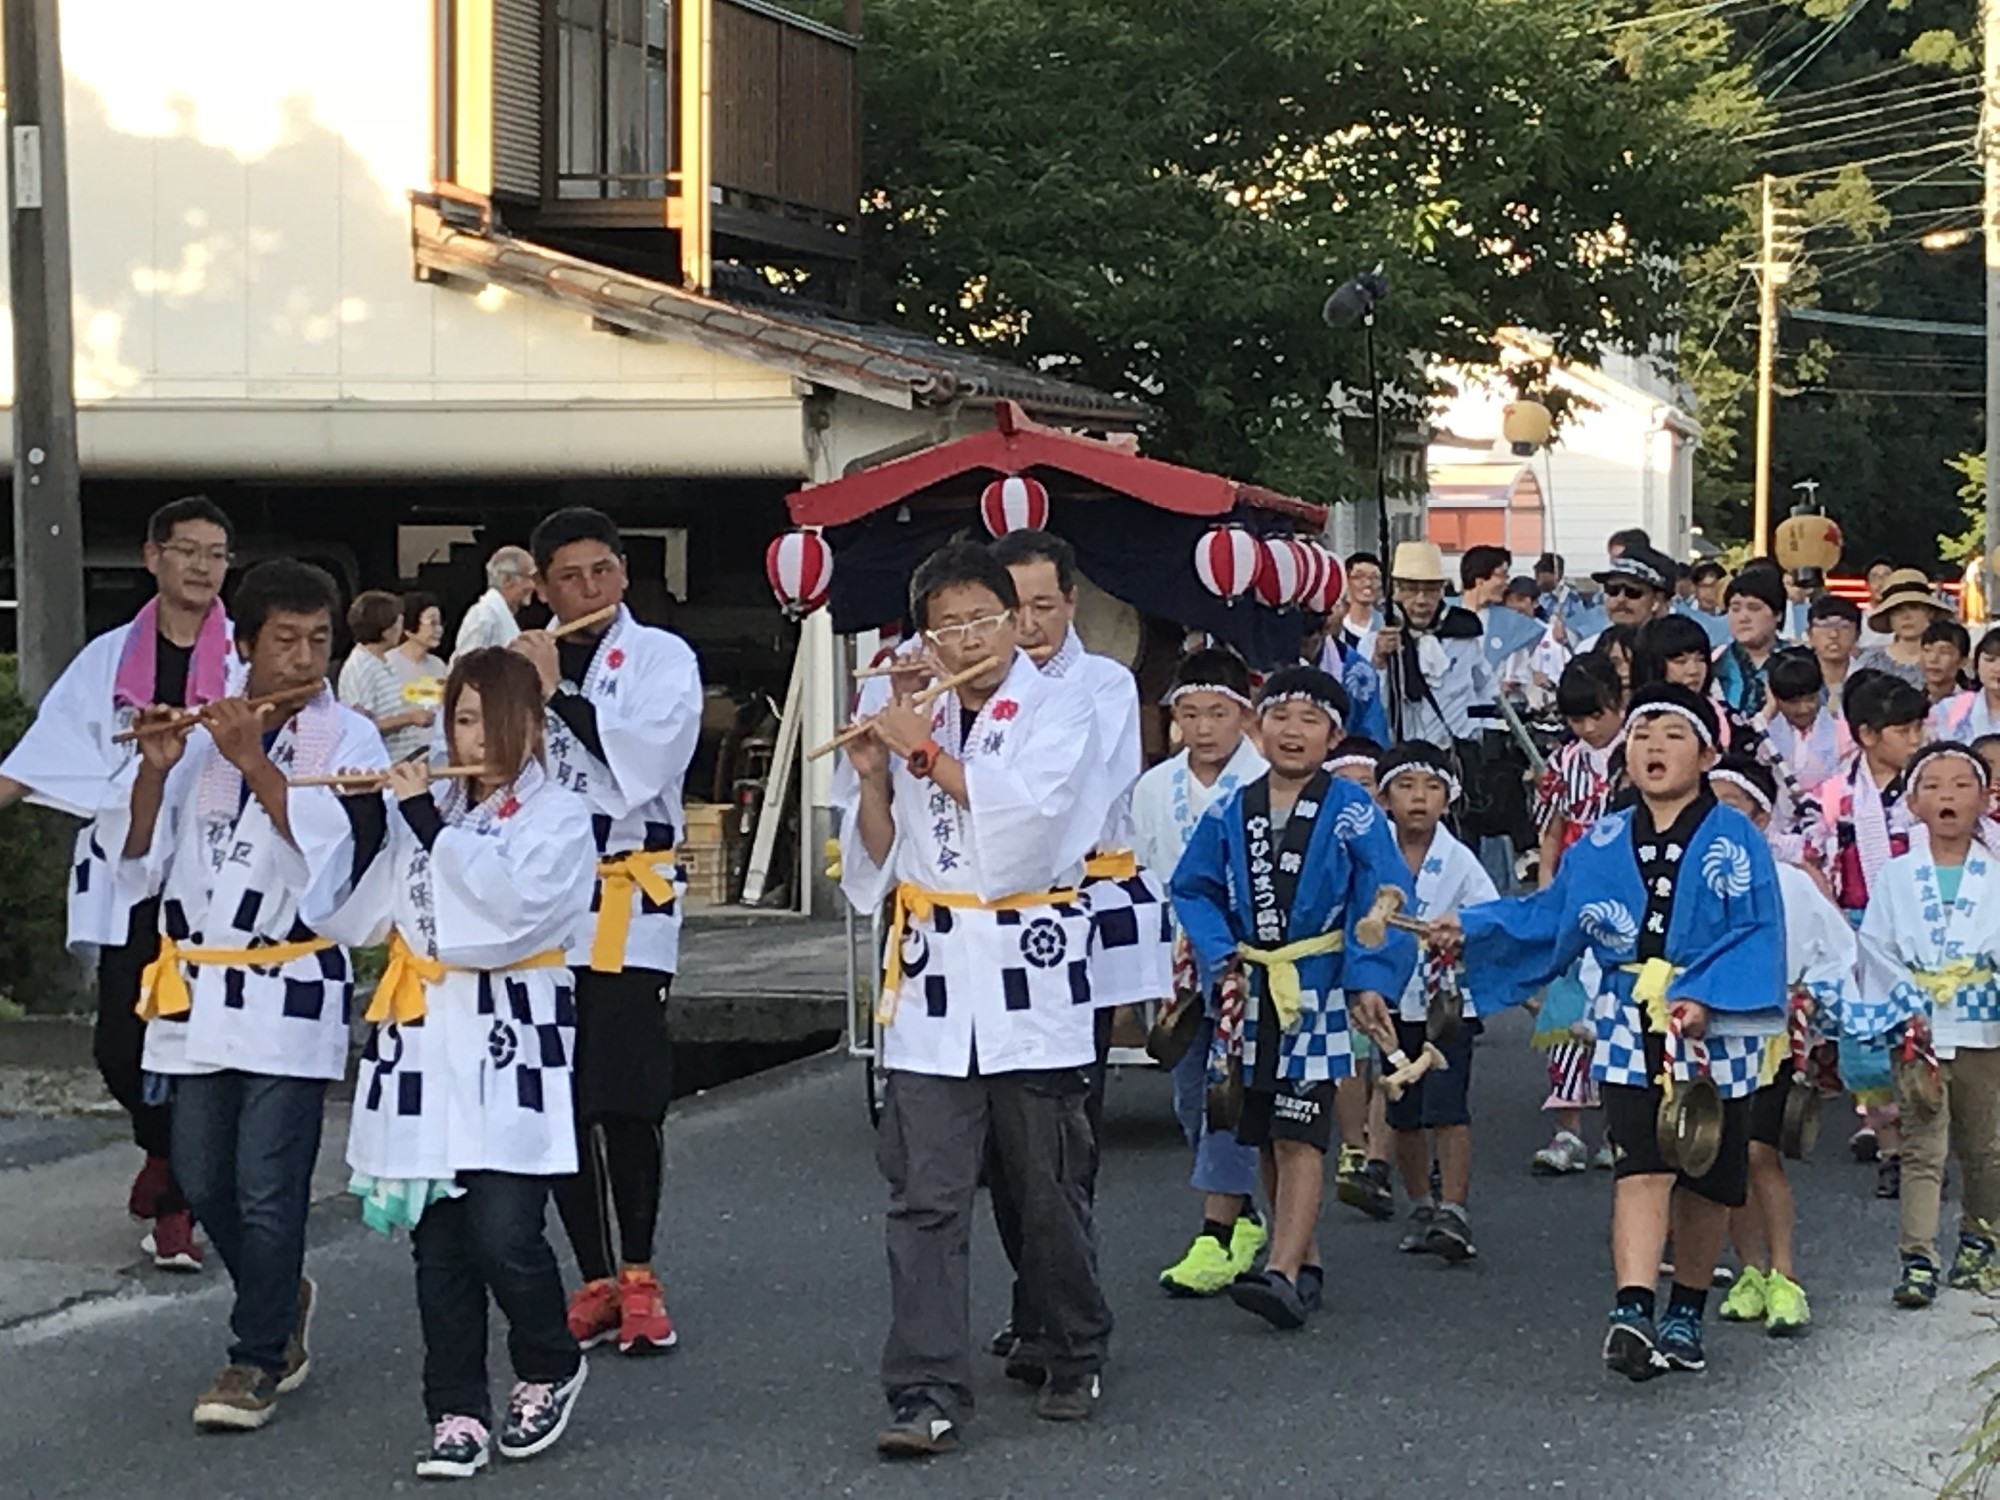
(1394, 685)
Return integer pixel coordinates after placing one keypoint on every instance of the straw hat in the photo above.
(1906, 586)
(1418, 562)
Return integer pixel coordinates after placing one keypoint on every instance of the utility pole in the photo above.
(1989, 151)
(48, 511)
(1771, 274)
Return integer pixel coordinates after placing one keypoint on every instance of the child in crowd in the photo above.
(1863, 825)
(1929, 946)
(1210, 703)
(1433, 1120)
(1987, 748)
(1805, 741)
(1946, 645)
(1673, 648)
(1361, 1177)
(1270, 891)
(1820, 952)
(1972, 715)
(1574, 793)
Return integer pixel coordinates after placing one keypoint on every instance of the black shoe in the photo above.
(919, 1429)
(537, 1413)
(1024, 1366)
(1679, 1341)
(1380, 1201)
(1630, 1345)
(1003, 1344)
(1889, 1177)
(1312, 1287)
(1450, 1236)
(1069, 1398)
(1272, 1297)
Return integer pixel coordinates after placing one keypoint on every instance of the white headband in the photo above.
(1745, 785)
(1414, 767)
(1324, 705)
(1650, 710)
(1948, 750)
(1220, 689)
(1351, 762)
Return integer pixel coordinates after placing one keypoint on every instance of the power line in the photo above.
(1967, 88)
(1793, 109)
(1873, 161)
(1810, 53)
(1892, 130)
(1798, 100)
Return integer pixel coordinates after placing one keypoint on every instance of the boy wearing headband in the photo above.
(1361, 1175)
(1212, 711)
(1819, 968)
(1676, 898)
(1929, 946)
(1270, 891)
(1433, 1119)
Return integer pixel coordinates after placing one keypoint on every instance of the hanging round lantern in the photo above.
(1016, 503)
(1808, 541)
(1280, 569)
(799, 565)
(1317, 561)
(1225, 560)
(1526, 425)
(1331, 582)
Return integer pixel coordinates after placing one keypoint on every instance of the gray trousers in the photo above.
(932, 1138)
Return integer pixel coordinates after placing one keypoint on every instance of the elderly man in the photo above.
(1637, 583)
(510, 583)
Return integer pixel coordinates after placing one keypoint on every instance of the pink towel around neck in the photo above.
(138, 664)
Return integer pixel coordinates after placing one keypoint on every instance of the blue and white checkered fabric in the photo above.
(1734, 1062)
(1318, 1050)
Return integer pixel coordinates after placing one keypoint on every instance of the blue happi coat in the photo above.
(1352, 855)
(1726, 941)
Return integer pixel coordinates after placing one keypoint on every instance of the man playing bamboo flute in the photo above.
(976, 811)
(247, 1007)
(624, 703)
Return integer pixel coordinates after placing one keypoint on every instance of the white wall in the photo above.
(240, 175)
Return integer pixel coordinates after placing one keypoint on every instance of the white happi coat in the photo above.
(646, 686)
(227, 879)
(1449, 878)
(1821, 950)
(1169, 801)
(1014, 985)
(1132, 933)
(483, 1081)
(1909, 929)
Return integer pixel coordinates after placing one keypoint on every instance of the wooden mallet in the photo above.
(1384, 912)
(1409, 1070)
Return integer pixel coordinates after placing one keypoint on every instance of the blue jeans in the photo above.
(244, 1145)
(1496, 857)
(1222, 1164)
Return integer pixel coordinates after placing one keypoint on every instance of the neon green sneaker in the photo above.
(1206, 1269)
(1246, 1242)
(1785, 1308)
(1746, 1302)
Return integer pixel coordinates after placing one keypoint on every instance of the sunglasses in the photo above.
(1626, 590)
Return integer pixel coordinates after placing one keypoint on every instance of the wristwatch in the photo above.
(923, 758)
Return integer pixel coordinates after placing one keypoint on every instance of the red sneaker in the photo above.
(174, 1248)
(593, 1313)
(643, 1324)
(148, 1188)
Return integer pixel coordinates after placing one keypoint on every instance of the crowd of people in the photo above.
(1726, 836)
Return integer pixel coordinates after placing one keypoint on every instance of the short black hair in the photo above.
(1986, 742)
(1948, 633)
(1308, 682)
(414, 605)
(1684, 701)
(1885, 700)
(1214, 666)
(1706, 571)
(1039, 546)
(1588, 686)
(1795, 673)
(1663, 639)
(1523, 587)
(958, 563)
(1833, 607)
(1354, 559)
(1632, 536)
(1625, 636)
(1481, 562)
(1878, 562)
(160, 525)
(282, 586)
(1359, 745)
(1753, 771)
(1549, 562)
(1989, 645)
(1416, 753)
(573, 523)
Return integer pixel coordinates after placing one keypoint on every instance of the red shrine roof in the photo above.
(1018, 445)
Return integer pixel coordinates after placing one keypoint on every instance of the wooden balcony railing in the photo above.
(787, 112)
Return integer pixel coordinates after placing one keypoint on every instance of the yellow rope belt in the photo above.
(1111, 864)
(649, 870)
(163, 989)
(1944, 985)
(1650, 990)
(1281, 970)
(914, 902)
(400, 995)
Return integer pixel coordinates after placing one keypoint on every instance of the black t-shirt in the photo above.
(170, 673)
(1659, 852)
(574, 655)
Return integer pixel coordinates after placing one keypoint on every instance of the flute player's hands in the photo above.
(868, 755)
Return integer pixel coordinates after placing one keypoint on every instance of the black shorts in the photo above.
(1439, 1097)
(1767, 1112)
(1292, 1112)
(1631, 1115)
(624, 1046)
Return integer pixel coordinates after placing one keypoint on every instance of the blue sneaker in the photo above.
(1630, 1345)
(1680, 1341)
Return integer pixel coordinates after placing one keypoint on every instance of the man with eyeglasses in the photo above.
(624, 713)
(175, 653)
(1833, 630)
(976, 814)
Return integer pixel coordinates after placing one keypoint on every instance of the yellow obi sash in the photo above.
(650, 870)
(163, 989)
(1111, 864)
(399, 997)
(1281, 970)
(1650, 990)
(1943, 985)
(914, 902)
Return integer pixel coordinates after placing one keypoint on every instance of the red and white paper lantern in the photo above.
(1016, 503)
(1280, 571)
(1225, 560)
(1331, 582)
(1312, 572)
(799, 565)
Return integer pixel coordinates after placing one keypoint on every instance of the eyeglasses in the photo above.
(189, 552)
(958, 635)
(1626, 591)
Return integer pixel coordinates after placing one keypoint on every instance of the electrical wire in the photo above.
(1896, 130)
(1793, 110)
(1810, 53)
(1872, 161)
(1798, 100)
(1960, 95)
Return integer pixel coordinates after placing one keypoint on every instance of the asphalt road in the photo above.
(1419, 1380)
